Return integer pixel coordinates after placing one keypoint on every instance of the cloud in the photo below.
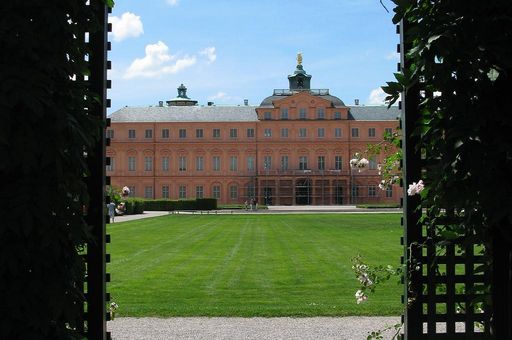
(376, 97)
(209, 52)
(128, 25)
(218, 95)
(172, 2)
(393, 56)
(223, 97)
(158, 61)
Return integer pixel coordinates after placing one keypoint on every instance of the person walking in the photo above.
(111, 210)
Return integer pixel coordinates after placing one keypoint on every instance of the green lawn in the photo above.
(251, 265)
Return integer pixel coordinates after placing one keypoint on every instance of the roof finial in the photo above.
(299, 58)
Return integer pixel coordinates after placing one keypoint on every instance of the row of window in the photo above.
(233, 133)
(303, 114)
(233, 163)
(199, 192)
(234, 194)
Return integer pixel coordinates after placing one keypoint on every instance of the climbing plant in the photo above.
(460, 61)
(46, 134)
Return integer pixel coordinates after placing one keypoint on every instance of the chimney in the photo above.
(356, 101)
(161, 103)
(210, 103)
(246, 102)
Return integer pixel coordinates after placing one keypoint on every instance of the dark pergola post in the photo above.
(411, 169)
(96, 316)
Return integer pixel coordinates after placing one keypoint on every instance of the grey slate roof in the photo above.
(229, 113)
(361, 112)
(186, 114)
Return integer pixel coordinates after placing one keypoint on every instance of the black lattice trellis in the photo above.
(440, 282)
(96, 293)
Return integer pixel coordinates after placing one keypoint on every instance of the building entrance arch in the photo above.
(303, 191)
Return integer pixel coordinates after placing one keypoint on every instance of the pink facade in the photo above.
(292, 149)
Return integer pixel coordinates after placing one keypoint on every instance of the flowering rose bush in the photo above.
(360, 163)
(369, 277)
(125, 192)
(415, 188)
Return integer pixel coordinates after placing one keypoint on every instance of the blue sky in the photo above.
(226, 51)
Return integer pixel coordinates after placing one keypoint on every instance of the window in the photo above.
(131, 134)
(199, 191)
(148, 163)
(388, 131)
(165, 191)
(199, 133)
(199, 163)
(321, 132)
(216, 133)
(355, 191)
(110, 133)
(182, 163)
(338, 162)
(183, 133)
(337, 132)
(216, 163)
(110, 167)
(165, 163)
(233, 192)
(132, 191)
(250, 163)
(216, 191)
(165, 133)
(372, 191)
(267, 133)
(182, 193)
(284, 113)
(303, 162)
(148, 192)
(131, 163)
(337, 115)
(251, 190)
(233, 163)
(233, 133)
(267, 115)
(389, 191)
(373, 163)
(148, 133)
(302, 132)
(267, 162)
(355, 132)
(250, 133)
(320, 113)
(284, 132)
(371, 132)
(284, 162)
(303, 113)
(321, 162)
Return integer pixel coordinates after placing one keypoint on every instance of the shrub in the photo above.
(206, 203)
(378, 206)
(134, 206)
(159, 205)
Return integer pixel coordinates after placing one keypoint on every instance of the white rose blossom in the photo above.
(360, 296)
(415, 188)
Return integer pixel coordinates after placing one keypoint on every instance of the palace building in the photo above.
(294, 148)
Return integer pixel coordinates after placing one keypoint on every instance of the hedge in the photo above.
(137, 205)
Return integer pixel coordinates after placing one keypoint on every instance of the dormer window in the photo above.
(284, 113)
(267, 115)
(320, 113)
(303, 113)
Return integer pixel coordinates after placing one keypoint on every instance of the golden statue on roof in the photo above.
(299, 58)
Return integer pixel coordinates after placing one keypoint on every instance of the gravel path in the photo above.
(317, 328)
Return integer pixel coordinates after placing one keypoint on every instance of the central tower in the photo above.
(299, 80)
